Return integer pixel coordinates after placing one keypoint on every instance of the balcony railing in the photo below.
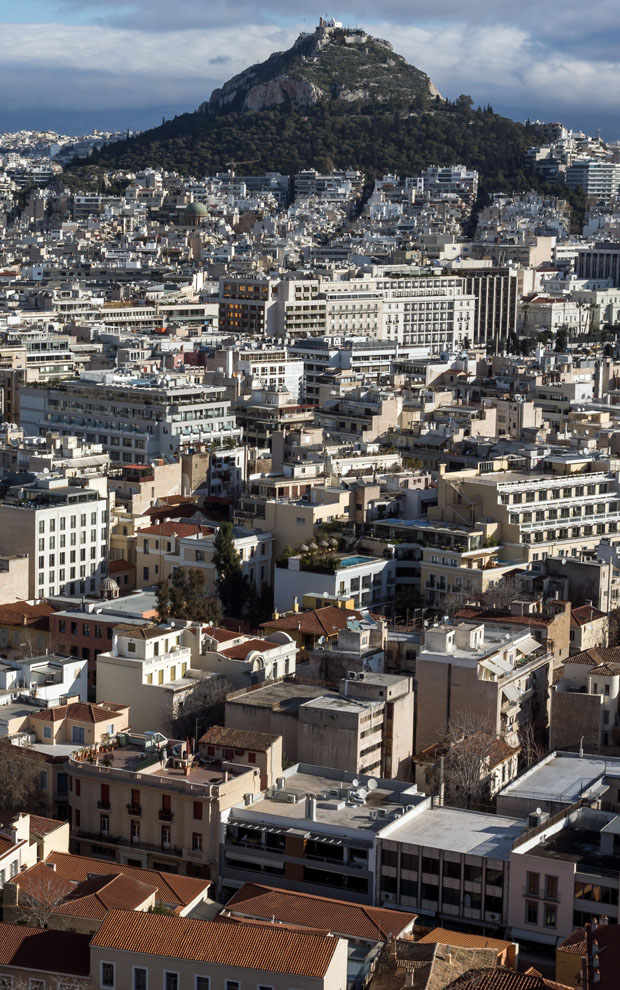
(165, 816)
(134, 809)
(103, 805)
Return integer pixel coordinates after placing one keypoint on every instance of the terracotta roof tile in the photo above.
(246, 946)
(447, 937)
(585, 613)
(41, 827)
(78, 710)
(241, 651)
(67, 953)
(502, 979)
(326, 621)
(172, 890)
(313, 911)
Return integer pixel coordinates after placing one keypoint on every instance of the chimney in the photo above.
(440, 797)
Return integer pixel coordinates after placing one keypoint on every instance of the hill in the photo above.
(333, 63)
(336, 98)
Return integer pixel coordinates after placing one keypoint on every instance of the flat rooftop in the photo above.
(460, 831)
(561, 777)
(334, 810)
(285, 696)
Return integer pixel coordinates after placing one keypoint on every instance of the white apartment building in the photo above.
(136, 420)
(369, 581)
(64, 529)
(51, 679)
(147, 668)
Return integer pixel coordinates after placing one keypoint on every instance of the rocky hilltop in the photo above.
(332, 63)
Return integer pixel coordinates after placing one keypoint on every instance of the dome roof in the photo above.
(109, 584)
(196, 210)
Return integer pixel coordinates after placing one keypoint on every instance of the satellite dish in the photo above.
(355, 782)
(372, 784)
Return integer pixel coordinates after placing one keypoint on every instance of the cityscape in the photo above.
(310, 541)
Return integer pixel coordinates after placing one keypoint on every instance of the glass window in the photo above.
(201, 983)
(551, 918)
(140, 978)
(531, 912)
(171, 981)
(107, 974)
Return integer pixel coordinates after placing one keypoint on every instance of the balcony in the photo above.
(103, 805)
(134, 809)
(165, 816)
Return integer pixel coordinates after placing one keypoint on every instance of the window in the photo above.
(77, 734)
(531, 912)
(232, 985)
(47, 732)
(251, 757)
(201, 983)
(171, 981)
(551, 887)
(551, 917)
(196, 841)
(107, 974)
(198, 810)
(533, 883)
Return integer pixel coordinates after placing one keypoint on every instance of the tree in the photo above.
(532, 748)
(41, 892)
(201, 708)
(561, 340)
(184, 596)
(232, 585)
(20, 779)
(471, 748)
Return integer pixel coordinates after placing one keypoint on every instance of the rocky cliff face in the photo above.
(331, 63)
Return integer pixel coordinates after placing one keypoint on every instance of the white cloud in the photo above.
(50, 65)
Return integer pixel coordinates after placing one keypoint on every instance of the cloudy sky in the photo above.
(76, 64)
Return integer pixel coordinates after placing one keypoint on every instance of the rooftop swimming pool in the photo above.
(352, 561)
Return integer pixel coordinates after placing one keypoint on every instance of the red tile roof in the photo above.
(241, 651)
(503, 979)
(326, 621)
(584, 614)
(40, 827)
(173, 890)
(310, 910)
(78, 711)
(247, 946)
(51, 951)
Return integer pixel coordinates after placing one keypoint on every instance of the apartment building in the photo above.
(599, 261)
(263, 412)
(533, 515)
(150, 803)
(449, 863)
(149, 669)
(64, 529)
(493, 676)
(564, 873)
(584, 701)
(358, 416)
(165, 547)
(318, 831)
(136, 420)
(368, 581)
(496, 292)
(50, 679)
(364, 727)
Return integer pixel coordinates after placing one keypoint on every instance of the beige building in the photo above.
(138, 486)
(14, 577)
(180, 953)
(490, 678)
(584, 701)
(147, 668)
(533, 516)
(151, 804)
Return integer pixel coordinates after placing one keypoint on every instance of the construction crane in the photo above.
(231, 166)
